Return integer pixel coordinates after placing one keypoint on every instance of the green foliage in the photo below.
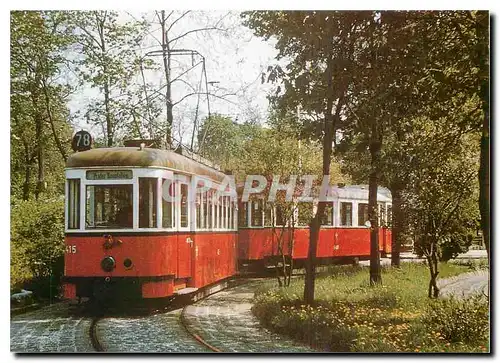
(474, 265)
(37, 241)
(222, 140)
(458, 242)
(459, 320)
(442, 193)
(351, 316)
(109, 63)
(39, 129)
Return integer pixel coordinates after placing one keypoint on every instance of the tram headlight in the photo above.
(127, 263)
(108, 264)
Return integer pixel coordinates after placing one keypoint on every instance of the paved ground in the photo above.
(161, 333)
(224, 320)
(411, 257)
(465, 284)
(50, 329)
(471, 254)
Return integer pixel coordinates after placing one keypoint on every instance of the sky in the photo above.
(234, 62)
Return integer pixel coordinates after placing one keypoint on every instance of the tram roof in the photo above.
(147, 157)
(361, 192)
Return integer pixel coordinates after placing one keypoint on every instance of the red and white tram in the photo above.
(122, 235)
(127, 237)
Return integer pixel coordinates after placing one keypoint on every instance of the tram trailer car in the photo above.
(123, 239)
(344, 236)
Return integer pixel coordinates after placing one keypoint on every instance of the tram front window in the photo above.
(109, 206)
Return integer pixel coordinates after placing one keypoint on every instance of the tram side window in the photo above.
(389, 215)
(280, 217)
(207, 211)
(73, 203)
(109, 206)
(215, 203)
(305, 213)
(381, 215)
(228, 213)
(148, 195)
(222, 201)
(233, 211)
(327, 219)
(199, 210)
(243, 215)
(168, 205)
(257, 209)
(268, 218)
(184, 205)
(220, 216)
(346, 214)
(362, 213)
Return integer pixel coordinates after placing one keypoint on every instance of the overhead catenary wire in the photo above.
(196, 112)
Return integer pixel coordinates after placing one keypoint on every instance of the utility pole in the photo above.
(166, 65)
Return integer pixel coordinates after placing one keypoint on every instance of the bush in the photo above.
(473, 264)
(318, 325)
(37, 245)
(351, 316)
(459, 320)
(455, 245)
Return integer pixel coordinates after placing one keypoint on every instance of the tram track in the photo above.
(94, 340)
(199, 339)
(99, 342)
(169, 328)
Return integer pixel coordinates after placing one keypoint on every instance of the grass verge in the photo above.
(351, 316)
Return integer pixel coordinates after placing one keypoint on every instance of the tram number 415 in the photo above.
(71, 249)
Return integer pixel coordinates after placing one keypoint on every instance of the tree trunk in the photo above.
(290, 257)
(436, 273)
(397, 224)
(148, 103)
(433, 291)
(27, 172)
(482, 32)
(40, 185)
(375, 145)
(311, 256)
(484, 186)
(109, 122)
(52, 126)
(107, 106)
(166, 66)
(315, 224)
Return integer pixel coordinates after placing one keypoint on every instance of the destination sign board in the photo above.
(108, 174)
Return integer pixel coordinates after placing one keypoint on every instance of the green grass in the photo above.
(351, 315)
(476, 264)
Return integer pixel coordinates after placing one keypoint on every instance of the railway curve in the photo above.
(219, 322)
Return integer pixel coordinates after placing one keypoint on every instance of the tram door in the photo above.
(185, 238)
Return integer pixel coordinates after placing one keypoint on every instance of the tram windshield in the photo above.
(109, 206)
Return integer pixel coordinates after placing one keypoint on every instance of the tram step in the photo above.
(186, 290)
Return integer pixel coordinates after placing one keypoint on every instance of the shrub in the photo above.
(456, 244)
(473, 264)
(349, 315)
(459, 320)
(37, 245)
